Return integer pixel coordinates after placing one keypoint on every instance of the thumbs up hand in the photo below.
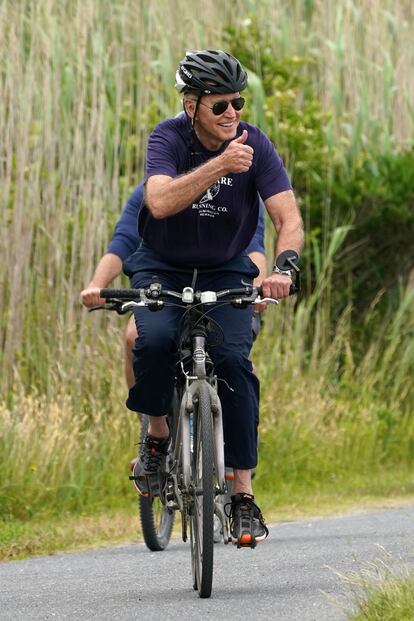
(238, 156)
(242, 139)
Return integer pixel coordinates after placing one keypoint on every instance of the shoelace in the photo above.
(248, 509)
(152, 454)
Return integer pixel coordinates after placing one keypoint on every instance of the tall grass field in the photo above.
(81, 86)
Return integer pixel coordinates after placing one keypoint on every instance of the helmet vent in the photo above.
(221, 74)
(207, 59)
(228, 66)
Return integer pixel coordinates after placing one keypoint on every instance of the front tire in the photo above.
(202, 509)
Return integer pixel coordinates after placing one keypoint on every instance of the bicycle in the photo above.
(195, 480)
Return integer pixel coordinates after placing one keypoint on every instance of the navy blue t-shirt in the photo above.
(126, 240)
(219, 224)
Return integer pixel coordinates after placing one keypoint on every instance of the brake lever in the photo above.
(152, 305)
(116, 306)
(260, 300)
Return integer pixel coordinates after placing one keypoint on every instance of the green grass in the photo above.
(64, 531)
(393, 601)
(383, 594)
(56, 457)
(67, 532)
(326, 420)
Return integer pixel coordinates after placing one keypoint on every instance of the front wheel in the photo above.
(202, 506)
(156, 520)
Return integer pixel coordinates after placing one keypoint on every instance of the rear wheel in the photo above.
(202, 506)
(156, 520)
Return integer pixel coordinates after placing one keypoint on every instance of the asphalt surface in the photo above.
(297, 574)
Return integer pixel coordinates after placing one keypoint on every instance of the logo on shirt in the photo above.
(211, 193)
(206, 206)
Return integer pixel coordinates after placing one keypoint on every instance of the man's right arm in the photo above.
(166, 196)
(108, 268)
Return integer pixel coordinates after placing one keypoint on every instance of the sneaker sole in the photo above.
(144, 494)
(140, 492)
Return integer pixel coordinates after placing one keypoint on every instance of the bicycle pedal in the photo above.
(245, 541)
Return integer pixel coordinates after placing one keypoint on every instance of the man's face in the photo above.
(214, 129)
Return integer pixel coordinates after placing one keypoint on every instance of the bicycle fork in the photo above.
(182, 452)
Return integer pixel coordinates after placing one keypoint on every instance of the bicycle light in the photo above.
(188, 295)
(208, 296)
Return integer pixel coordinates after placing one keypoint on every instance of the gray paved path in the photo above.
(292, 576)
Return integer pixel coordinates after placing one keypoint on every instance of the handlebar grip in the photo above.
(295, 287)
(121, 294)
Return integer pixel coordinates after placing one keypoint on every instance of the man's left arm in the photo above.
(288, 223)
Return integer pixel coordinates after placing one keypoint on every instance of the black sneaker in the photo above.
(247, 525)
(149, 468)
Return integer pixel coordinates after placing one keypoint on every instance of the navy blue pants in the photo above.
(155, 352)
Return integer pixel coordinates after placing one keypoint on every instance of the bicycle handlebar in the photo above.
(152, 296)
(155, 293)
(123, 300)
(121, 294)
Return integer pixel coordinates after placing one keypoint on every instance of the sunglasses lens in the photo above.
(238, 103)
(219, 107)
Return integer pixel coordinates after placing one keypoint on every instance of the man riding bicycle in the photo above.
(126, 240)
(204, 173)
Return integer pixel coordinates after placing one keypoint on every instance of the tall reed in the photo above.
(81, 85)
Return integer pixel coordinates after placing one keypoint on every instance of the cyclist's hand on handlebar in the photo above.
(238, 157)
(90, 297)
(276, 286)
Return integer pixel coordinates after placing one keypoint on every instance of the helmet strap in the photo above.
(195, 111)
(192, 129)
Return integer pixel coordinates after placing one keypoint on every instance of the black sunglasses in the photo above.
(221, 106)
